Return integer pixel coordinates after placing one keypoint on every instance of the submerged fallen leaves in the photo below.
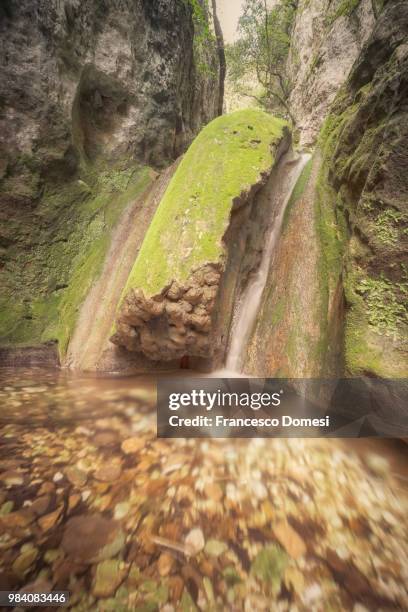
(289, 539)
(93, 503)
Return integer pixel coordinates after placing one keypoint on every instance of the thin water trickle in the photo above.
(250, 301)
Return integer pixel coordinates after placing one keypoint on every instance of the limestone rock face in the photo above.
(366, 144)
(91, 94)
(326, 40)
(104, 77)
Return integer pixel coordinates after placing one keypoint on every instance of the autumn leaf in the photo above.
(289, 539)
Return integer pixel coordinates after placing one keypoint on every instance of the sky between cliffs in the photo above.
(228, 13)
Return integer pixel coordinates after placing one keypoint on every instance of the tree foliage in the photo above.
(261, 53)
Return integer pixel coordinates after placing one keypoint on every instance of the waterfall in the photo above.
(249, 304)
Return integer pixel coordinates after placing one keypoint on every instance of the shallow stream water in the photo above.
(93, 503)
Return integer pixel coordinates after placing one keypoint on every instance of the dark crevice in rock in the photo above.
(221, 56)
(390, 31)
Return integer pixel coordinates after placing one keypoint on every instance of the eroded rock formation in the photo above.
(176, 322)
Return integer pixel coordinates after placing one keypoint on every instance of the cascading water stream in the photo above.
(250, 301)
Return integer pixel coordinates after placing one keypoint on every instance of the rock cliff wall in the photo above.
(103, 77)
(91, 95)
(336, 298)
(326, 39)
(363, 200)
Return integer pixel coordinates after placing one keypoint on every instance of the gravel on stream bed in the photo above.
(93, 503)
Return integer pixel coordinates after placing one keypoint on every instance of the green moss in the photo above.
(224, 161)
(344, 9)
(89, 263)
(278, 312)
(269, 566)
(330, 224)
(386, 226)
(329, 212)
(366, 352)
(360, 181)
(361, 356)
(377, 312)
(385, 311)
(10, 316)
(297, 193)
(330, 235)
(380, 301)
(204, 39)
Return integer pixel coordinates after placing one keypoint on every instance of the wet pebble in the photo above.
(108, 472)
(195, 541)
(132, 445)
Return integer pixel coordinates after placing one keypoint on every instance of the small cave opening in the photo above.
(101, 104)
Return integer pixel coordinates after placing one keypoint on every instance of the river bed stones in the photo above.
(108, 472)
(121, 509)
(165, 564)
(90, 538)
(48, 521)
(195, 541)
(186, 523)
(132, 445)
(6, 508)
(108, 576)
(76, 476)
(12, 478)
(25, 560)
(41, 505)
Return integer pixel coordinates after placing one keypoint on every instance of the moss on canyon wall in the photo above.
(362, 201)
(55, 251)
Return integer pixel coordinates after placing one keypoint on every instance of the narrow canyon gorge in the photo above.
(202, 190)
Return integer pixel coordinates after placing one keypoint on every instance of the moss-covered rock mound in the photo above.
(168, 304)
